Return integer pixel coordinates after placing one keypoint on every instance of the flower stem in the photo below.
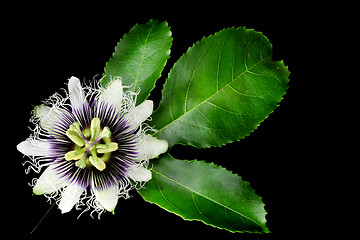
(43, 217)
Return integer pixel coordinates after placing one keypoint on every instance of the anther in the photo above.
(95, 128)
(88, 143)
(75, 155)
(106, 148)
(75, 138)
(98, 163)
(75, 127)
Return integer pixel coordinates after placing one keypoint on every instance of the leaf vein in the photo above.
(207, 128)
(212, 200)
(143, 54)
(218, 66)
(220, 90)
(227, 216)
(197, 207)
(241, 93)
(191, 79)
(162, 193)
(247, 53)
(225, 110)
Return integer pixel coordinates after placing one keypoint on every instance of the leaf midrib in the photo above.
(205, 100)
(193, 191)
(142, 57)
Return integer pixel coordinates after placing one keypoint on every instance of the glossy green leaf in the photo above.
(196, 190)
(140, 57)
(220, 90)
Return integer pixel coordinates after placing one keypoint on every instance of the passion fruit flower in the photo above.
(94, 146)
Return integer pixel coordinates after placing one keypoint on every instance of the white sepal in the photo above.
(48, 116)
(113, 94)
(107, 197)
(76, 93)
(140, 113)
(48, 182)
(70, 197)
(138, 173)
(150, 147)
(32, 147)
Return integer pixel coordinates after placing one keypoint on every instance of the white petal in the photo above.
(48, 182)
(70, 197)
(140, 113)
(113, 94)
(150, 147)
(32, 147)
(48, 116)
(76, 93)
(108, 197)
(138, 173)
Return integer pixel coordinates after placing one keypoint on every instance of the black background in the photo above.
(52, 43)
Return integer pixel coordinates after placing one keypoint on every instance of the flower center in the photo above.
(92, 145)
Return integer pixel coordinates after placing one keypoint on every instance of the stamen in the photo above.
(87, 133)
(75, 138)
(104, 134)
(105, 148)
(95, 128)
(81, 163)
(91, 147)
(96, 162)
(75, 127)
(75, 155)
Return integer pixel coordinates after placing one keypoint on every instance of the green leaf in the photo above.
(220, 90)
(196, 190)
(140, 57)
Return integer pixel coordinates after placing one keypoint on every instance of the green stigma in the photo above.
(92, 145)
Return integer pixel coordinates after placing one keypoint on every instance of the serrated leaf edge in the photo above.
(206, 145)
(265, 228)
(167, 55)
